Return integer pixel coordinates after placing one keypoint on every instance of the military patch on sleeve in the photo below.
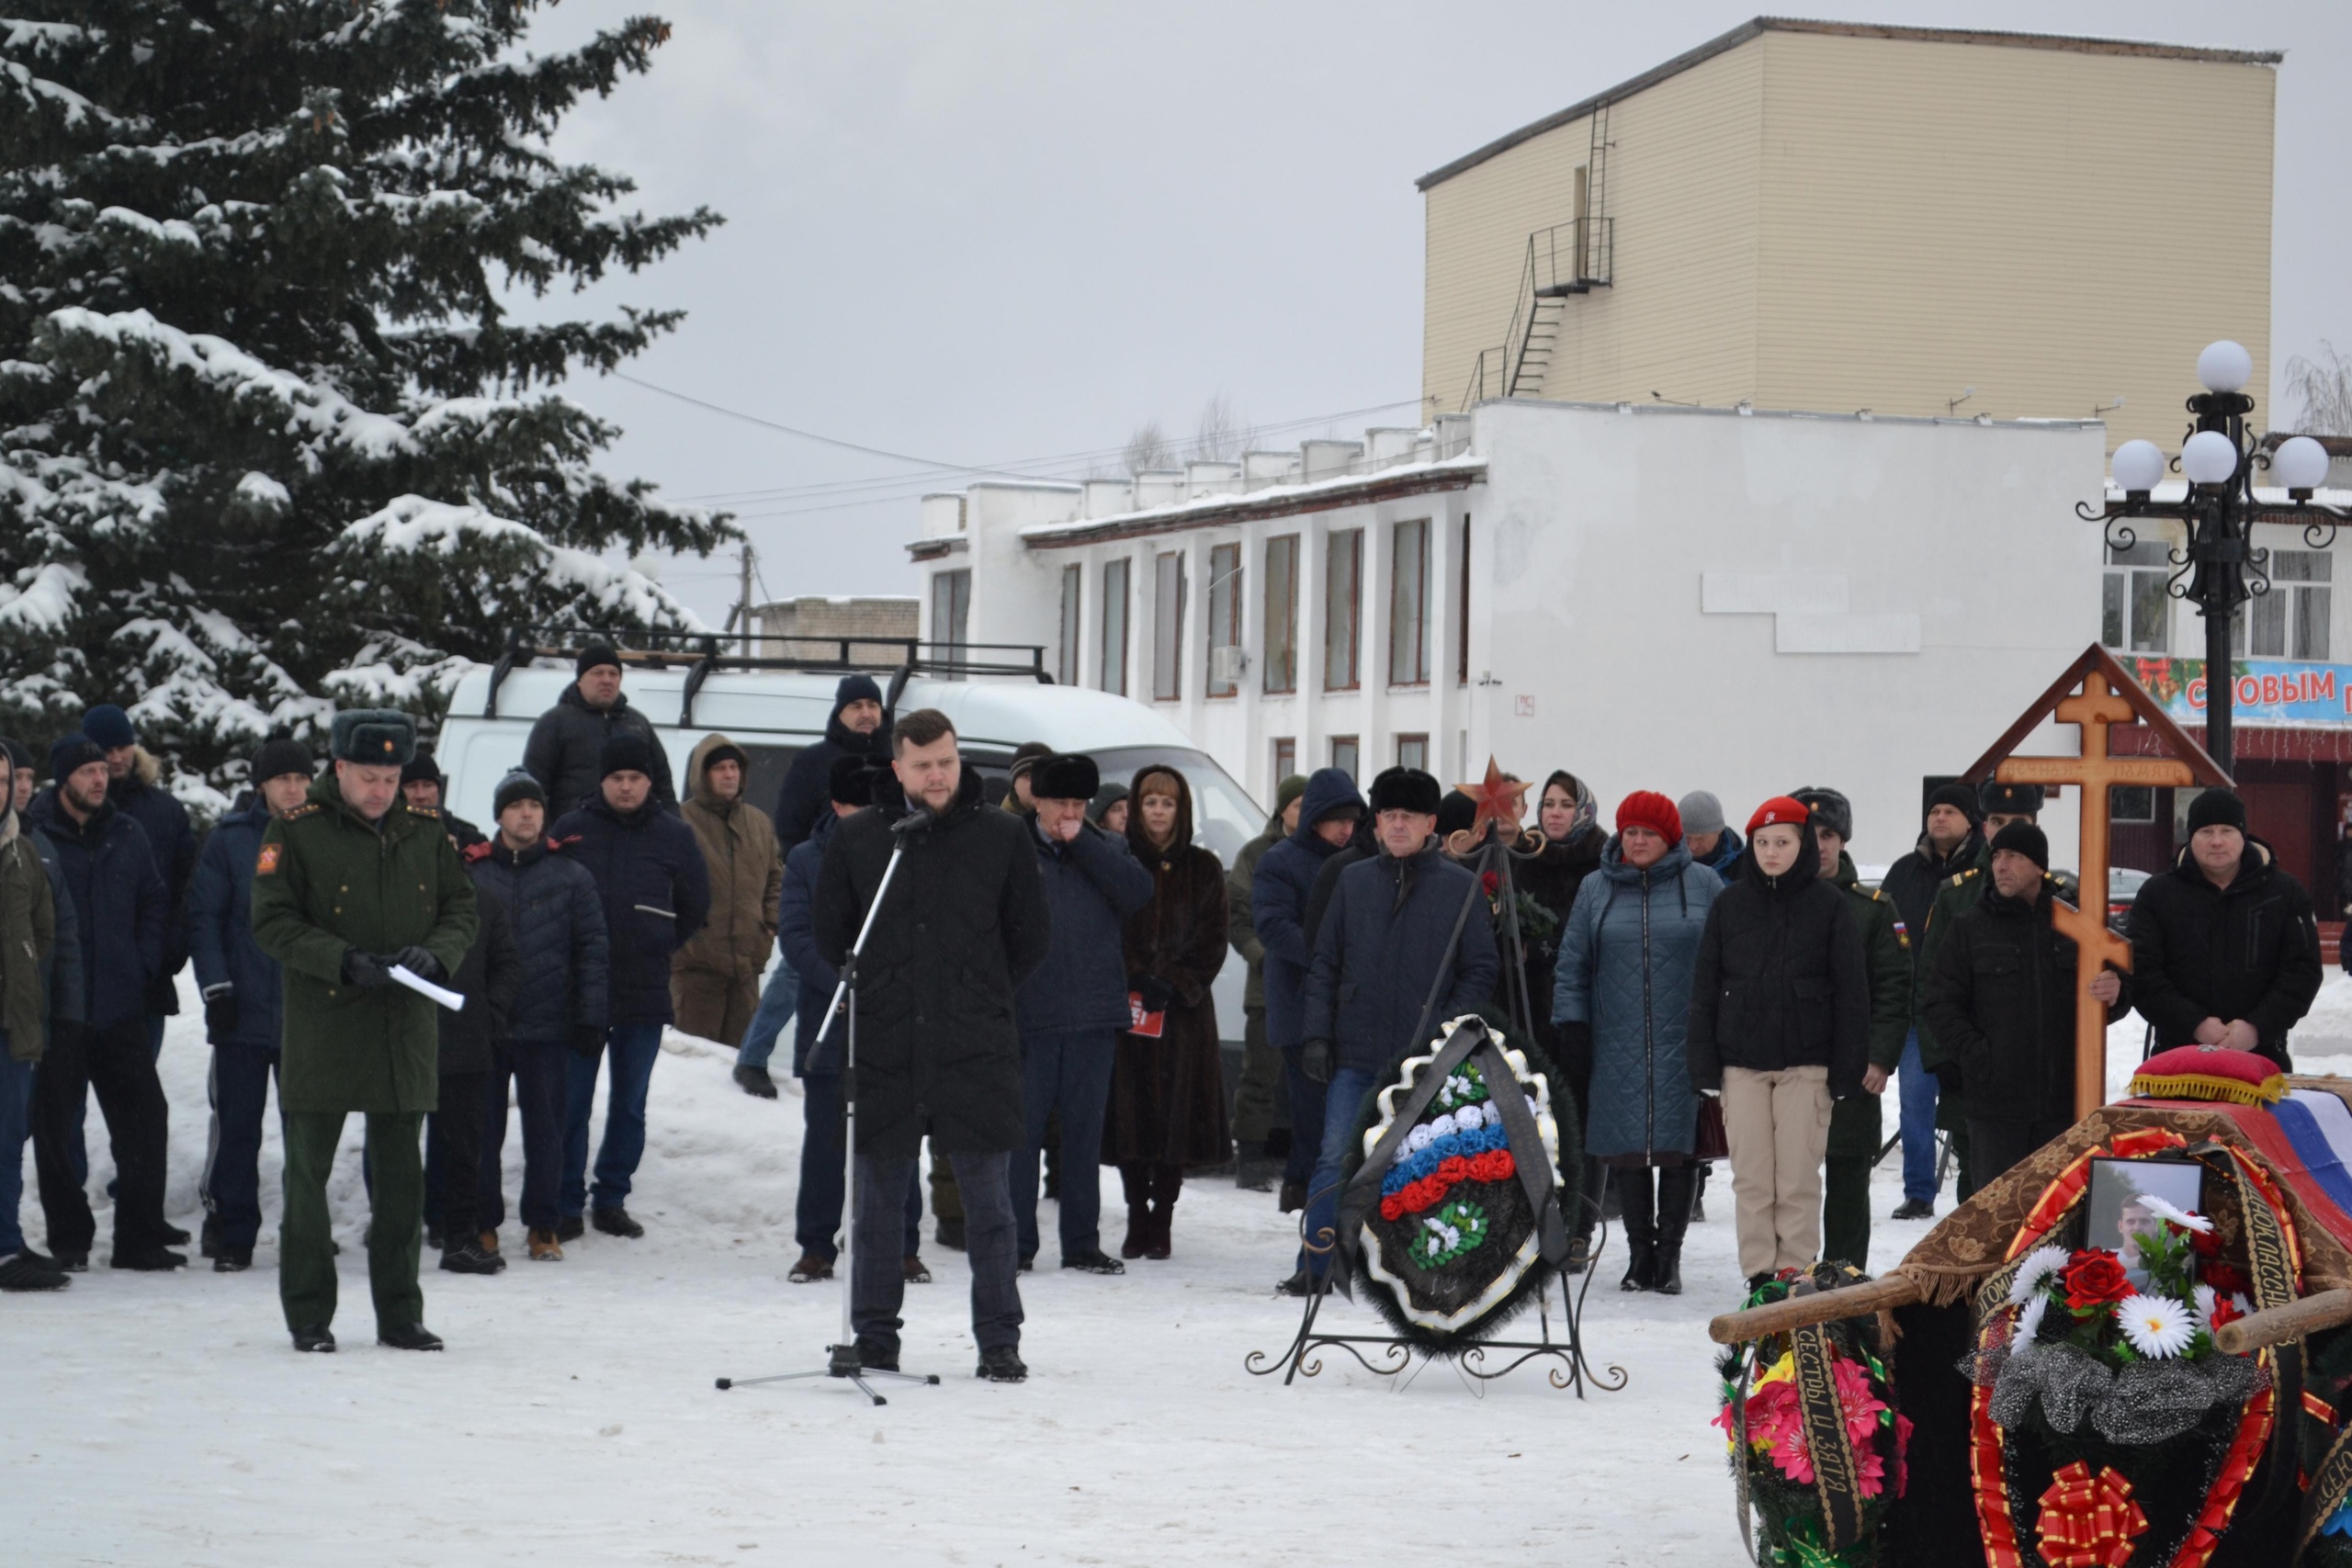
(268, 865)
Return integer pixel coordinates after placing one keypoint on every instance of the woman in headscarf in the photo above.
(1168, 1086)
(1548, 878)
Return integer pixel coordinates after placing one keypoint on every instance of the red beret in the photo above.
(1648, 809)
(1779, 809)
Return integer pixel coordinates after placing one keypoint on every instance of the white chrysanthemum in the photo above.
(2035, 1272)
(2029, 1326)
(2180, 1217)
(2157, 1326)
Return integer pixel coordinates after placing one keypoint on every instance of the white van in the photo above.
(773, 710)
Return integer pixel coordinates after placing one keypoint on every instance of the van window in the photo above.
(769, 764)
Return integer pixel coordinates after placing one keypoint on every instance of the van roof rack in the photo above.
(706, 653)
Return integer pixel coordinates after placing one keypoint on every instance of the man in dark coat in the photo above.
(1070, 1011)
(1328, 814)
(123, 920)
(856, 727)
(938, 1050)
(488, 978)
(561, 1006)
(424, 785)
(1387, 945)
(243, 1000)
(817, 1210)
(1952, 843)
(656, 891)
(567, 744)
(135, 785)
(346, 888)
(1261, 1108)
(2223, 947)
(2001, 999)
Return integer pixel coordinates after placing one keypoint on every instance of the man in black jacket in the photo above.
(656, 891)
(567, 744)
(938, 1052)
(1951, 842)
(134, 782)
(2223, 947)
(560, 1007)
(423, 787)
(1385, 943)
(1072, 1009)
(856, 727)
(2001, 999)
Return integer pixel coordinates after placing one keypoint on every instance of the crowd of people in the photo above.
(1037, 1002)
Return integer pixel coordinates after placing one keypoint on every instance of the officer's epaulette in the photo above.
(1966, 874)
(308, 808)
(432, 811)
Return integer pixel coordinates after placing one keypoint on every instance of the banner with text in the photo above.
(2281, 691)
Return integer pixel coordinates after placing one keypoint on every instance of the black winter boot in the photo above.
(1632, 1188)
(1677, 1189)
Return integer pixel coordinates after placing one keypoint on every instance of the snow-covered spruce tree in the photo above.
(269, 440)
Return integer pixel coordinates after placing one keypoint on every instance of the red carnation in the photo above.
(2206, 1244)
(1491, 882)
(2093, 1278)
(2227, 1278)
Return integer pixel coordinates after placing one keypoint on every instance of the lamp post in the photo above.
(2220, 566)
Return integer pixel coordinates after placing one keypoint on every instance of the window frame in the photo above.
(1352, 747)
(1279, 677)
(1226, 584)
(1116, 604)
(1344, 616)
(1408, 602)
(1067, 658)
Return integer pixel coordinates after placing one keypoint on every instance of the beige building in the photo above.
(815, 627)
(1836, 216)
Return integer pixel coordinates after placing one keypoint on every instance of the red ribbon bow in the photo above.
(2088, 1521)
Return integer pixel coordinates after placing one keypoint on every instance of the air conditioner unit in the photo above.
(1226, 664)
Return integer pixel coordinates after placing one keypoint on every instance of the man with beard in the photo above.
(938, 1052)
(135, 785)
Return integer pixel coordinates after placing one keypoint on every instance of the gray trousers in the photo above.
(879, 1280)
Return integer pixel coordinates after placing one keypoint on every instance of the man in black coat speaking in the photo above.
(2223, 950)
(937, 1049)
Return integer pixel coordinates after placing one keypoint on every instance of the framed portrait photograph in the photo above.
(2118, 1207)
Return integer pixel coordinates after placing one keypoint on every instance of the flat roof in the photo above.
(1762, 25)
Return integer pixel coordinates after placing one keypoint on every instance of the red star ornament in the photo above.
(1498, 799)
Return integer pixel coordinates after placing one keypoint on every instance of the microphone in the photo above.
(914, 821)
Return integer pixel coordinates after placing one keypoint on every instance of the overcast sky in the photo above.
(987, 235)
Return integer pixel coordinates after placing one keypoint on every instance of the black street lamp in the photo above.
(2220, 567)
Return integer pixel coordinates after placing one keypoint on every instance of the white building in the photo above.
(1652, 597)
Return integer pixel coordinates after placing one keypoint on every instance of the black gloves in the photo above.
(219, 1011)
(419, 963)
(1315, 1060)
(366, 970)
(1154, 992)
(587, 1040)
(1948, 1077)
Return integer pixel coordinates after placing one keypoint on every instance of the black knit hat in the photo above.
(2025, 838)
(2217, 808)
(727, 751)
(1455, 813)
(516, 785)
(68, 752)
(383, 736)
(850, 781)
(625, 751)
(279, 755)
(1065, 778)
(420, 768)
(1406, 789)
(2009, 799)
(1827, 809)
(593, 654)
(1961, 798)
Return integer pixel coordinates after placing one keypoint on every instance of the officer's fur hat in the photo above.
(381, 736)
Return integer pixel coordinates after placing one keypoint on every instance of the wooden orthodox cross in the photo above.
(2093, 692)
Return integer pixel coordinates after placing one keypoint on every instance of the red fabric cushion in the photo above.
(2210, 1072)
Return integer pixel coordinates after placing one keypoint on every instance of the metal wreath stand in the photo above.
(1396, 1355)
(842, 1358)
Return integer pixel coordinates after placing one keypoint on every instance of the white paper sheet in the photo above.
(415, 982)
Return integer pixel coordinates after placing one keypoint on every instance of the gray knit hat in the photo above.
(1702, 812)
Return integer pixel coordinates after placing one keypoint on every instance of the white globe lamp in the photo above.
(2224, 366)
(2300, 466)
(2139, 467)
(2208, 458)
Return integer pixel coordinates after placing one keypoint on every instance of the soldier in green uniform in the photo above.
(346, 885)
(1854, 1123)
(2002, 804)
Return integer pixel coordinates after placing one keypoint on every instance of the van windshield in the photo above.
(1224, 816)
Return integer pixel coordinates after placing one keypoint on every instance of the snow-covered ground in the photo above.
(165, 1419)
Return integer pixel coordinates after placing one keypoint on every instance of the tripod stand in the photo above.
(843, 1357)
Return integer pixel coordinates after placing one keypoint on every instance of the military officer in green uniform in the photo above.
(2001, 803)
(346, 885)
(1854, 1123)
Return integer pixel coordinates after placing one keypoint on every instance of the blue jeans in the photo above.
(1070, 1073)
(1342, 1101)
(631, 1048)
(816, 1212)
(777, 1000)
(16, 1126)
(1917, 1087)
(238, 1087)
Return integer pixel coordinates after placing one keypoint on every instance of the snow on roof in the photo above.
(1468, 464)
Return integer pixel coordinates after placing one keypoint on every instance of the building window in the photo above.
(1408, 604)
(1066, 661)
(1342, 579)
(1346, 755)
(1168, 626)
(1461, 614)
(1225, 620)
(1114, 626)
(1281, 615)
(951, 612)
(1413, 751)
(1286, 757)
(2130, 802)
(2290, 621)
(2135, 613)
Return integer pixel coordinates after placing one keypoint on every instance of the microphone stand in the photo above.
(843, 1357)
